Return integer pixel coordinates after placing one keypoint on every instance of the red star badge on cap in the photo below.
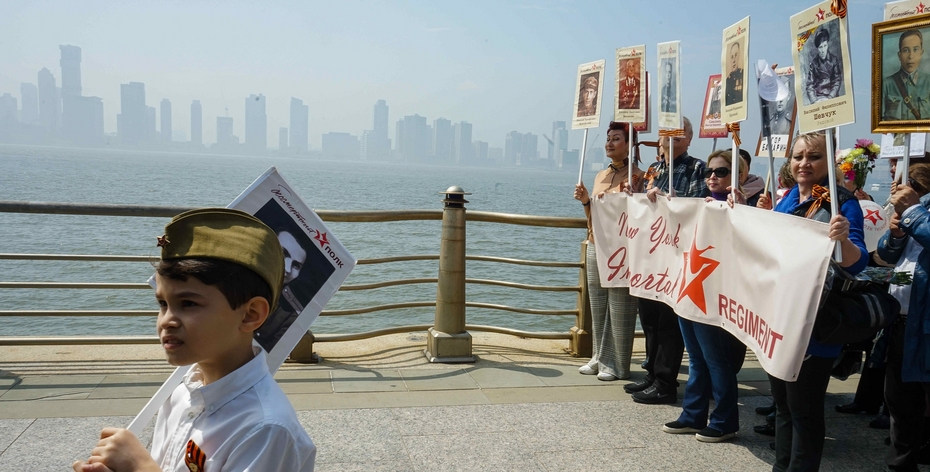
(162, 241)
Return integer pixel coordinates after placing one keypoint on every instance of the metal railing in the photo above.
(449, 340)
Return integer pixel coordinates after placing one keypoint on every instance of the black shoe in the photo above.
(765, 429)
(854, 408)
(643, 384)
(676, 427)
(654, 396)
(765, 410)
(711, 435)
(880, 422)
(772, 446)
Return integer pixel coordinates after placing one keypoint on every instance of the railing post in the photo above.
(303, 351)
(580, 344)
(447, 341)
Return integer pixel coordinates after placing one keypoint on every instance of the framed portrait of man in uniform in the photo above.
(630, 95)
(588, 87)
(900, 75)
(734, 62)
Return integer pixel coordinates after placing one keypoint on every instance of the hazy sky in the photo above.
(500, 65)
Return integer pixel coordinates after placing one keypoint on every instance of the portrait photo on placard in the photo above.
(587, 102)
(668, 102)
(306, 269)
(712, 126)
(735, 71)
(629, 84)
(821, 62)
(630, 91)
(900, 75)
(586, 111)
(778, 118)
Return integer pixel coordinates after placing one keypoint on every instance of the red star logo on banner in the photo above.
(820, 15)
(874, 216)
(701, 267)
(321, 238)
(921, 7)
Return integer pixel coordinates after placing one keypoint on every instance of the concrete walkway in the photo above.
(378, 405)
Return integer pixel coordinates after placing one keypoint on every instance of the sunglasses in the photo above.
(720, 172)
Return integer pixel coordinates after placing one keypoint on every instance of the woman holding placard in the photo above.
(799, 422)
(613, 310)
(714, 355)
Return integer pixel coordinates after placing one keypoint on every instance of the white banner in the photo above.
(756, 273)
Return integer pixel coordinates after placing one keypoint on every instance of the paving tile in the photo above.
(71, 408)
(7, 383)
(388, 380)
(437, 379)
(54, 443)
(562, 375)
(471, 452)
(129, 386)
(10, 430)
(53, 387)
(397, 465)
(305, 381)
(354, 434)
(438, 419)
(501, 377)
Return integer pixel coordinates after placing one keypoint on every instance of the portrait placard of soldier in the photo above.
(900, 75)
(711, 124)
(823, 75)
(734, 63)
(778, 118)
(629, 98)
(669, 97)
(590, 84)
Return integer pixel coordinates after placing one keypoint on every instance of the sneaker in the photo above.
(643, 384)
(587, 370)
(654, 396)
(676, 427)
(607, 377)
(711, 435)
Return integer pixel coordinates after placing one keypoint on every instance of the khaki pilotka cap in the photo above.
(228, 235)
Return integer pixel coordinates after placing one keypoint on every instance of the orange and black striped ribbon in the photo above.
(819, 194)
(194, 458)
(838, 7)
(734, 128)
(672, 133)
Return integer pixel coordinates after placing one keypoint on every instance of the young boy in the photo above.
(220, 274)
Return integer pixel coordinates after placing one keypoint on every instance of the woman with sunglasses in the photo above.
(799, 422)
(613, 310)
(714, 355)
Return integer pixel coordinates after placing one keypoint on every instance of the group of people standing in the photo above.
(714, 355)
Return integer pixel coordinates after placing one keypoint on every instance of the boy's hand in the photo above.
(81, 466)
(118, 450)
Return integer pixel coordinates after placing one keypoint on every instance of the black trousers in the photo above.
(799, 423)
(664, 346)
(907, 403)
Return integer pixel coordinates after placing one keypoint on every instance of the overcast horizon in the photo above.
(502, 66)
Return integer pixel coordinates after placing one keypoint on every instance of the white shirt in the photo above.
(241, 422)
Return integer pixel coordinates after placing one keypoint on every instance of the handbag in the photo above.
(854, 310)
(851, 309)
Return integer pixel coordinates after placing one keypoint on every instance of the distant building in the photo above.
(76, 113)
(569, 159)
(196, 123)
(49, 101)
(130, 122)
(9, 110)
(513, 148)
(299, 140)
(70, 71)
(496, 155)
(29, 96)
(85, 125)
(256, 123)
(481, 152)
(224, 132)
(166, 128)
(559, 142)
(340, 146)
(462, 148)
(442, 140)
(150, 118)
(529, 153)
(414, 139)
(282, 139)
(376, 145)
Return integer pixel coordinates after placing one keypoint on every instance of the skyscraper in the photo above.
(130, 122)
(74, 113)
(462, 148)
(49, 101)
(513, 147)
(442, 140)
(559, 142)
(9, 110)
(224, 132)
(29, 95)
(196, 123)
(256, 123)
(166, 120)
(300, 126)
(377, 144)
(529, 152)
(70, 71)
(282, 139)
(415, 139)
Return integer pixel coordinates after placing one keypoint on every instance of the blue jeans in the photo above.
(715, 357)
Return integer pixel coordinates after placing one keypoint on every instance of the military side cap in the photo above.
(228, 235)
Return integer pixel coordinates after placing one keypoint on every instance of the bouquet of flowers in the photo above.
(856, 163)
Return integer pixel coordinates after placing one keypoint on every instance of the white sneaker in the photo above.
(607, 377)
(587, 370)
